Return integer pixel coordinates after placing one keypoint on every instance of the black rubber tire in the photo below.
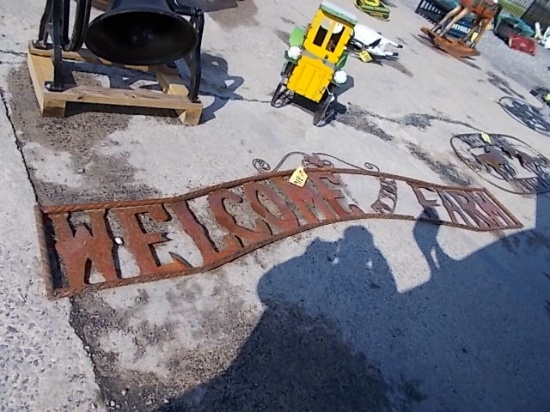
(321, 112)
(287, 69)
(279, 98)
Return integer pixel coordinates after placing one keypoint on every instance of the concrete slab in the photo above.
(364, 316)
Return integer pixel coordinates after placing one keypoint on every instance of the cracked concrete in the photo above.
(364, 316)
(43, 363)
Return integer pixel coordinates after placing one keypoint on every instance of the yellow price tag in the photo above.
(299, 177)
(485, 137)
(547, 97)
(365, 56)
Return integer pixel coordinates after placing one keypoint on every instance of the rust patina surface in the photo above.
(504, 161)
(78, 238)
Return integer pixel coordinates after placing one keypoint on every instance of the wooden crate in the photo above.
(174, 93)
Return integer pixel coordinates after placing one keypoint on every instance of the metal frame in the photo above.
(60, 248)
(496, 164)
(54, 24)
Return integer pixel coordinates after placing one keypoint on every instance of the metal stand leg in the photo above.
(55, 24)
(57, 37)
(194, 58)
(44, 29)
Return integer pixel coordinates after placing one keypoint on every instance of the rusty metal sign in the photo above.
(504, 161)
(535, 118)
(108, 244)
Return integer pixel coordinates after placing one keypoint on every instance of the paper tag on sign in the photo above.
(365, 56)
(299, 177)
(485, 137)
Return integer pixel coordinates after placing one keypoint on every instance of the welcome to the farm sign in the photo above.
(84, 245)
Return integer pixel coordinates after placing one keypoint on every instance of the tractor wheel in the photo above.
(321, 113)
(280, 96)
(287, 69)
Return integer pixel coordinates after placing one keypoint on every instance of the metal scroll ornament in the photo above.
(321, 160)
(504, 161)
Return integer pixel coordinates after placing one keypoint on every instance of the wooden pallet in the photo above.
(52, 104)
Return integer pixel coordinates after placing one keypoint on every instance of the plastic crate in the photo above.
(523, 44)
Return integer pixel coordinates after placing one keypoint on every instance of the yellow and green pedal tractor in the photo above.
(315, 60)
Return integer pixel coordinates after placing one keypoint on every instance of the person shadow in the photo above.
(338, 334)
(497, 300)
(293, 359)
(425, 235)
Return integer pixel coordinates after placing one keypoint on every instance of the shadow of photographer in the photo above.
(337, 334)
